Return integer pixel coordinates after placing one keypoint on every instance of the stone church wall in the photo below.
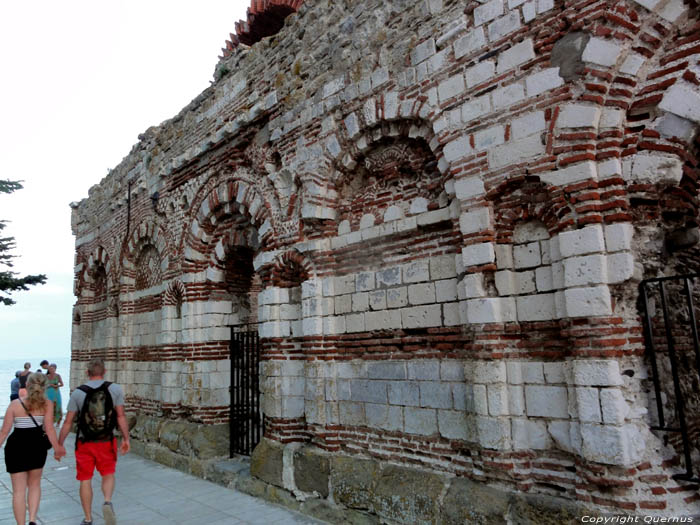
(436, 215)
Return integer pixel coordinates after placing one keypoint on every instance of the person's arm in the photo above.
(67, 423)
(123, 428)
(7, 423)
(60, 381)
(59, 450)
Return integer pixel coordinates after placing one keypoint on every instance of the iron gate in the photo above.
(244, 418)
(671, 334)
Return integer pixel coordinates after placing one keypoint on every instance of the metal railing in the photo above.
(649, 288)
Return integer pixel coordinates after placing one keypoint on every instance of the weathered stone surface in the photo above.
(311, 471)
(266, 462)
(353, 480)
(470, 502)
(170, 433)
(211, 441)
(407, 495)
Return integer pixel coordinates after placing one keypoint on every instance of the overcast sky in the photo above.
(80, 80)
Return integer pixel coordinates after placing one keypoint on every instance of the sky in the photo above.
(80, 80)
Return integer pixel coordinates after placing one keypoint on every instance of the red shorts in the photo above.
(89, 455)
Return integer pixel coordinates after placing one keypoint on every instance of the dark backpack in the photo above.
(97, 418)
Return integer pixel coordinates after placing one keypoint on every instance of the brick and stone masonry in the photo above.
(436, 214)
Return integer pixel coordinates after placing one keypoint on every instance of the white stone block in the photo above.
(497, 395)
(388, 277)
(442, 267)
(475, 221)
(504, 256)
(469, 43)
(493, 432)
(419, 205)
(480, 399)
(601, 51)
(420, 316)
(585, 302)
(620, 267)
(527, 255)
(504, 26)
(545, 80)
(573, 173)
(416, 271)
(515, 372)
(612, 445)
(397, 297)
(453, 424)
(420, 421)
(518, 54)
(544, 279)
(528, 124)
(673, 10)
(516, 400)
(529, 11)
(469, 187)
(588, 405)
(423, 293)
(525, 282)
(555, 372)
(451, 314)
(618, 236)
(581, 242)
(355, 323)
(445, 290)
(489, 137)
(546, 401)
(585, 270)
(377, 300)
(596, 372)
(508, 95)
(489, 11)
(579, 116)
(614, 407)
(505, 282)
(538, 307)
(457, 149)
(423, 51)
(451, 88)
(364, 281)
(516, 151)
(611, 118)
(491, 310)
(653, 168)
(532, 372)
(485, 371)
(480, 73)
(472, 286)
(478, 254)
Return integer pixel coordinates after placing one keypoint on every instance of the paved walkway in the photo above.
(146, 493)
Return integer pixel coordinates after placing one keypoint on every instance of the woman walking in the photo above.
(26, 449)
(53, 392)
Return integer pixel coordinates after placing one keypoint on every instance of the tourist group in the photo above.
(97, 408)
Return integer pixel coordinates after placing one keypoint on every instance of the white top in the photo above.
(26, 421)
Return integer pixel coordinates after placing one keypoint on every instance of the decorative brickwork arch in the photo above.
(97, 276)
(145, 257)
(263, 18)
(389, 170)
(289, 269)
(228, 198)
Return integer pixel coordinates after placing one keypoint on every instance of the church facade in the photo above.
(440, 225)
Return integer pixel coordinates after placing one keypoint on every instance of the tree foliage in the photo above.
(9, 282)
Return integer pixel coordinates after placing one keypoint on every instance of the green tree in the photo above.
(9, 282)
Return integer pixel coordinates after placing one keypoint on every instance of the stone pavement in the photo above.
(146, 493)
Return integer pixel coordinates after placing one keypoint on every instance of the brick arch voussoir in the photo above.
(365, 132)
(524, 199)
(229, 196)
(276, 273)
(174, 293)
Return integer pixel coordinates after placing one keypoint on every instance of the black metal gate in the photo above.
(244, 418)
(671, 334)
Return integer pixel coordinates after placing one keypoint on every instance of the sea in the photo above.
(8, 367)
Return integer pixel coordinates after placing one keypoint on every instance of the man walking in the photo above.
(99, 408)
